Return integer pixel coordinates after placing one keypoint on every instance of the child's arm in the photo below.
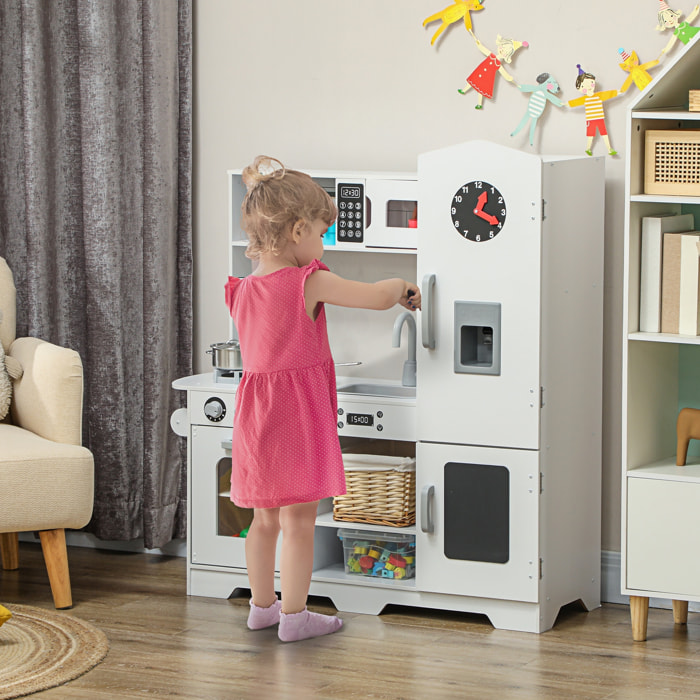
(327, 287)
(577, 102)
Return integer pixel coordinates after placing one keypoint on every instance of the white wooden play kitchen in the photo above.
(505, 418)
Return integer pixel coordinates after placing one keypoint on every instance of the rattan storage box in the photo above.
(380, 491)
(672, 163)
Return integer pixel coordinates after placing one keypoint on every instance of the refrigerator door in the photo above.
(477, 521)
(478, 379)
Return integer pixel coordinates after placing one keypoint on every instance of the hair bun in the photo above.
(262, 169)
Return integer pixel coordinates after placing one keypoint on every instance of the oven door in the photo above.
(477, 521)
(217, 526)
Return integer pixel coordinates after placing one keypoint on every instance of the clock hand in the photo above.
(486, 217)
(481, 202)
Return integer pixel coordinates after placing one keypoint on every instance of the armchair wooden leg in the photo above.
(9, 549)
(680, 612)
(639, 610)
(53, 544)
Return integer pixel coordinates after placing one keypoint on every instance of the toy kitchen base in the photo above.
(505, 423)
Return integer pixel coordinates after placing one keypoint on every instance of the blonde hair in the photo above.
(277, 199)
(508, 46)
(664, 14)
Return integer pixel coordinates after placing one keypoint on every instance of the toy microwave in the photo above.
(375, 211)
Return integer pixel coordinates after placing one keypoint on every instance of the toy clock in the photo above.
(478, 211)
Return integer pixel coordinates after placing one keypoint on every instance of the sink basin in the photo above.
(386, 390)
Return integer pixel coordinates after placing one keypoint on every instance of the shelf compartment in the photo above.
(662, 378)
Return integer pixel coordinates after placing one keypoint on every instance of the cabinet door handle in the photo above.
(427, 313)
(426, 508)
(227, 445)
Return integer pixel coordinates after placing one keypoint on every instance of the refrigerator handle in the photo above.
(427, 314)
(426, 508)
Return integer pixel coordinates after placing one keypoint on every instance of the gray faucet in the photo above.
(409, 367)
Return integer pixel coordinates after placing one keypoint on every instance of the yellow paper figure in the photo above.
(483, 77)
(5, 614)
(452, 14)
(638, 72)
(671, 19)
(593, 102)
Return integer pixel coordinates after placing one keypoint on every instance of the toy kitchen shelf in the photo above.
(660, 509)
(377, 211)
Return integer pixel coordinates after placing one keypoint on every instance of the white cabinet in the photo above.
(660, 375)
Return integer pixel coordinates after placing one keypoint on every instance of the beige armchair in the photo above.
(46, 476)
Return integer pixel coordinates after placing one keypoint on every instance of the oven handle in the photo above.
(426, 508)
(427, 313)
(227, 444)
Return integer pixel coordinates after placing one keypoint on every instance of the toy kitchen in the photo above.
(502, 417)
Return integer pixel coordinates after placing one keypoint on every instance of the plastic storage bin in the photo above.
(379, 554)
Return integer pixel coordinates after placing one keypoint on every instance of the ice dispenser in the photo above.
(477, 339)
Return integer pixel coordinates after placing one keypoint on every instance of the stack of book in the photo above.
(669, 299)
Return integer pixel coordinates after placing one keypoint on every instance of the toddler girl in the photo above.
(286, 453)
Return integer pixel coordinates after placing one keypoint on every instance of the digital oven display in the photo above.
(349, 192)
(360, 419)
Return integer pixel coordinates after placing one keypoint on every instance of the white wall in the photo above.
(356, 85)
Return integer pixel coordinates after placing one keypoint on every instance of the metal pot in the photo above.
(226, 355)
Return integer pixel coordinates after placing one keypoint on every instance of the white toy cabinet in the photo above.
(505, 422)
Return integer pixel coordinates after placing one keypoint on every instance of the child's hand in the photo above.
(410, 297)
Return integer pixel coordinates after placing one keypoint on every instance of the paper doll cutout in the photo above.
(593, 103)
(483, 77)
(671, 19)
(453, 13)
(638, 72)
(541, 93)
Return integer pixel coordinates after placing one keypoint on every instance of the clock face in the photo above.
(478, 211)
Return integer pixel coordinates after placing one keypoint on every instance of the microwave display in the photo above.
(347, 192)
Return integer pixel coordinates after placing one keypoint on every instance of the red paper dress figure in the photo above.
(483, 78)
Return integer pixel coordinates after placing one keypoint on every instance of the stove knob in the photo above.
(214, 409)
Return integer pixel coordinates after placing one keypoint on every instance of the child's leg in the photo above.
(260, 547)
(298, 522)
(296, 622)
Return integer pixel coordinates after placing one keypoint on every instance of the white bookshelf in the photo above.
(660, 501)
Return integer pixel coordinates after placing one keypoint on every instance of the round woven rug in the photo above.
(41, 649)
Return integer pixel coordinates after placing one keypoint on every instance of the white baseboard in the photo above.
(74, 538)
(609, 563)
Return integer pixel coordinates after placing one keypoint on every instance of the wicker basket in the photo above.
(672, 162)
(380, 491)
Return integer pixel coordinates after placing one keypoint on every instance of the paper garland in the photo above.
(482, 79)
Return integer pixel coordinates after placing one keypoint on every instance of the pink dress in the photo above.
(285, 435)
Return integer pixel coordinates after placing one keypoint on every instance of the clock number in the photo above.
(456, 224)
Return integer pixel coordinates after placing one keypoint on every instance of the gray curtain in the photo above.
(95, 222)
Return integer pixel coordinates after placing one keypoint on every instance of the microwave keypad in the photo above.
(351, 220)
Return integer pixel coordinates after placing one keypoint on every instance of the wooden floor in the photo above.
(166, 645)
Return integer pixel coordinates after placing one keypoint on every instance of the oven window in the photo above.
(477, 511)
(231, 521)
